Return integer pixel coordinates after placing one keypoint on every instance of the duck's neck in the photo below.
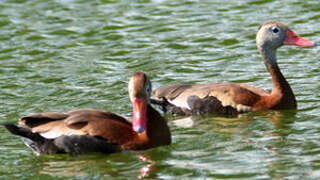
(157, 133)
(157, 128)
(282, 96)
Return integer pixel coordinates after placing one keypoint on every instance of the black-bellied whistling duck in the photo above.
(87, 130)
(234, 98)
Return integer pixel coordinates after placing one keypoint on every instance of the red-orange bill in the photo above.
(139, 120)
(294, 39)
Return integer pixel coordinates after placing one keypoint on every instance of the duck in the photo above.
(235, 98)
(84, 131)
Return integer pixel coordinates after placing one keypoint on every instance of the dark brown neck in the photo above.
(282, 96)
(157, 133)
(157, 128)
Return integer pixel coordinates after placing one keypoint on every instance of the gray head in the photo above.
(272, 35)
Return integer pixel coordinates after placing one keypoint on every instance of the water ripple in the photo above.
(59, 55)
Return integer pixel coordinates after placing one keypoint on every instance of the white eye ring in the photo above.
(275, 29)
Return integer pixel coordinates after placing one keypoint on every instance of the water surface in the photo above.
(65, 54)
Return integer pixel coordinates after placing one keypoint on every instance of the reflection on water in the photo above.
(139, 163)
(63, 168)
(233, 124)
(146, 170)
(245, 142)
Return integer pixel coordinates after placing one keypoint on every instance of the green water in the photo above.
(65, 54)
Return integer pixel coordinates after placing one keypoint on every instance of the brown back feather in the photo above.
(170, 92)
(41, 118)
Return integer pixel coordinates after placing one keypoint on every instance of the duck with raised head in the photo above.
(234, 98)
(88, 130)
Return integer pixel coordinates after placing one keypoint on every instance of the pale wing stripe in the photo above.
(54, 133)
(181, 104)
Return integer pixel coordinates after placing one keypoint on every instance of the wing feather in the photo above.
(78, 122)
(237, 95)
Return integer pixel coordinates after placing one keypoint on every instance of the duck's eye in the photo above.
(148, 89)
(275, 29)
